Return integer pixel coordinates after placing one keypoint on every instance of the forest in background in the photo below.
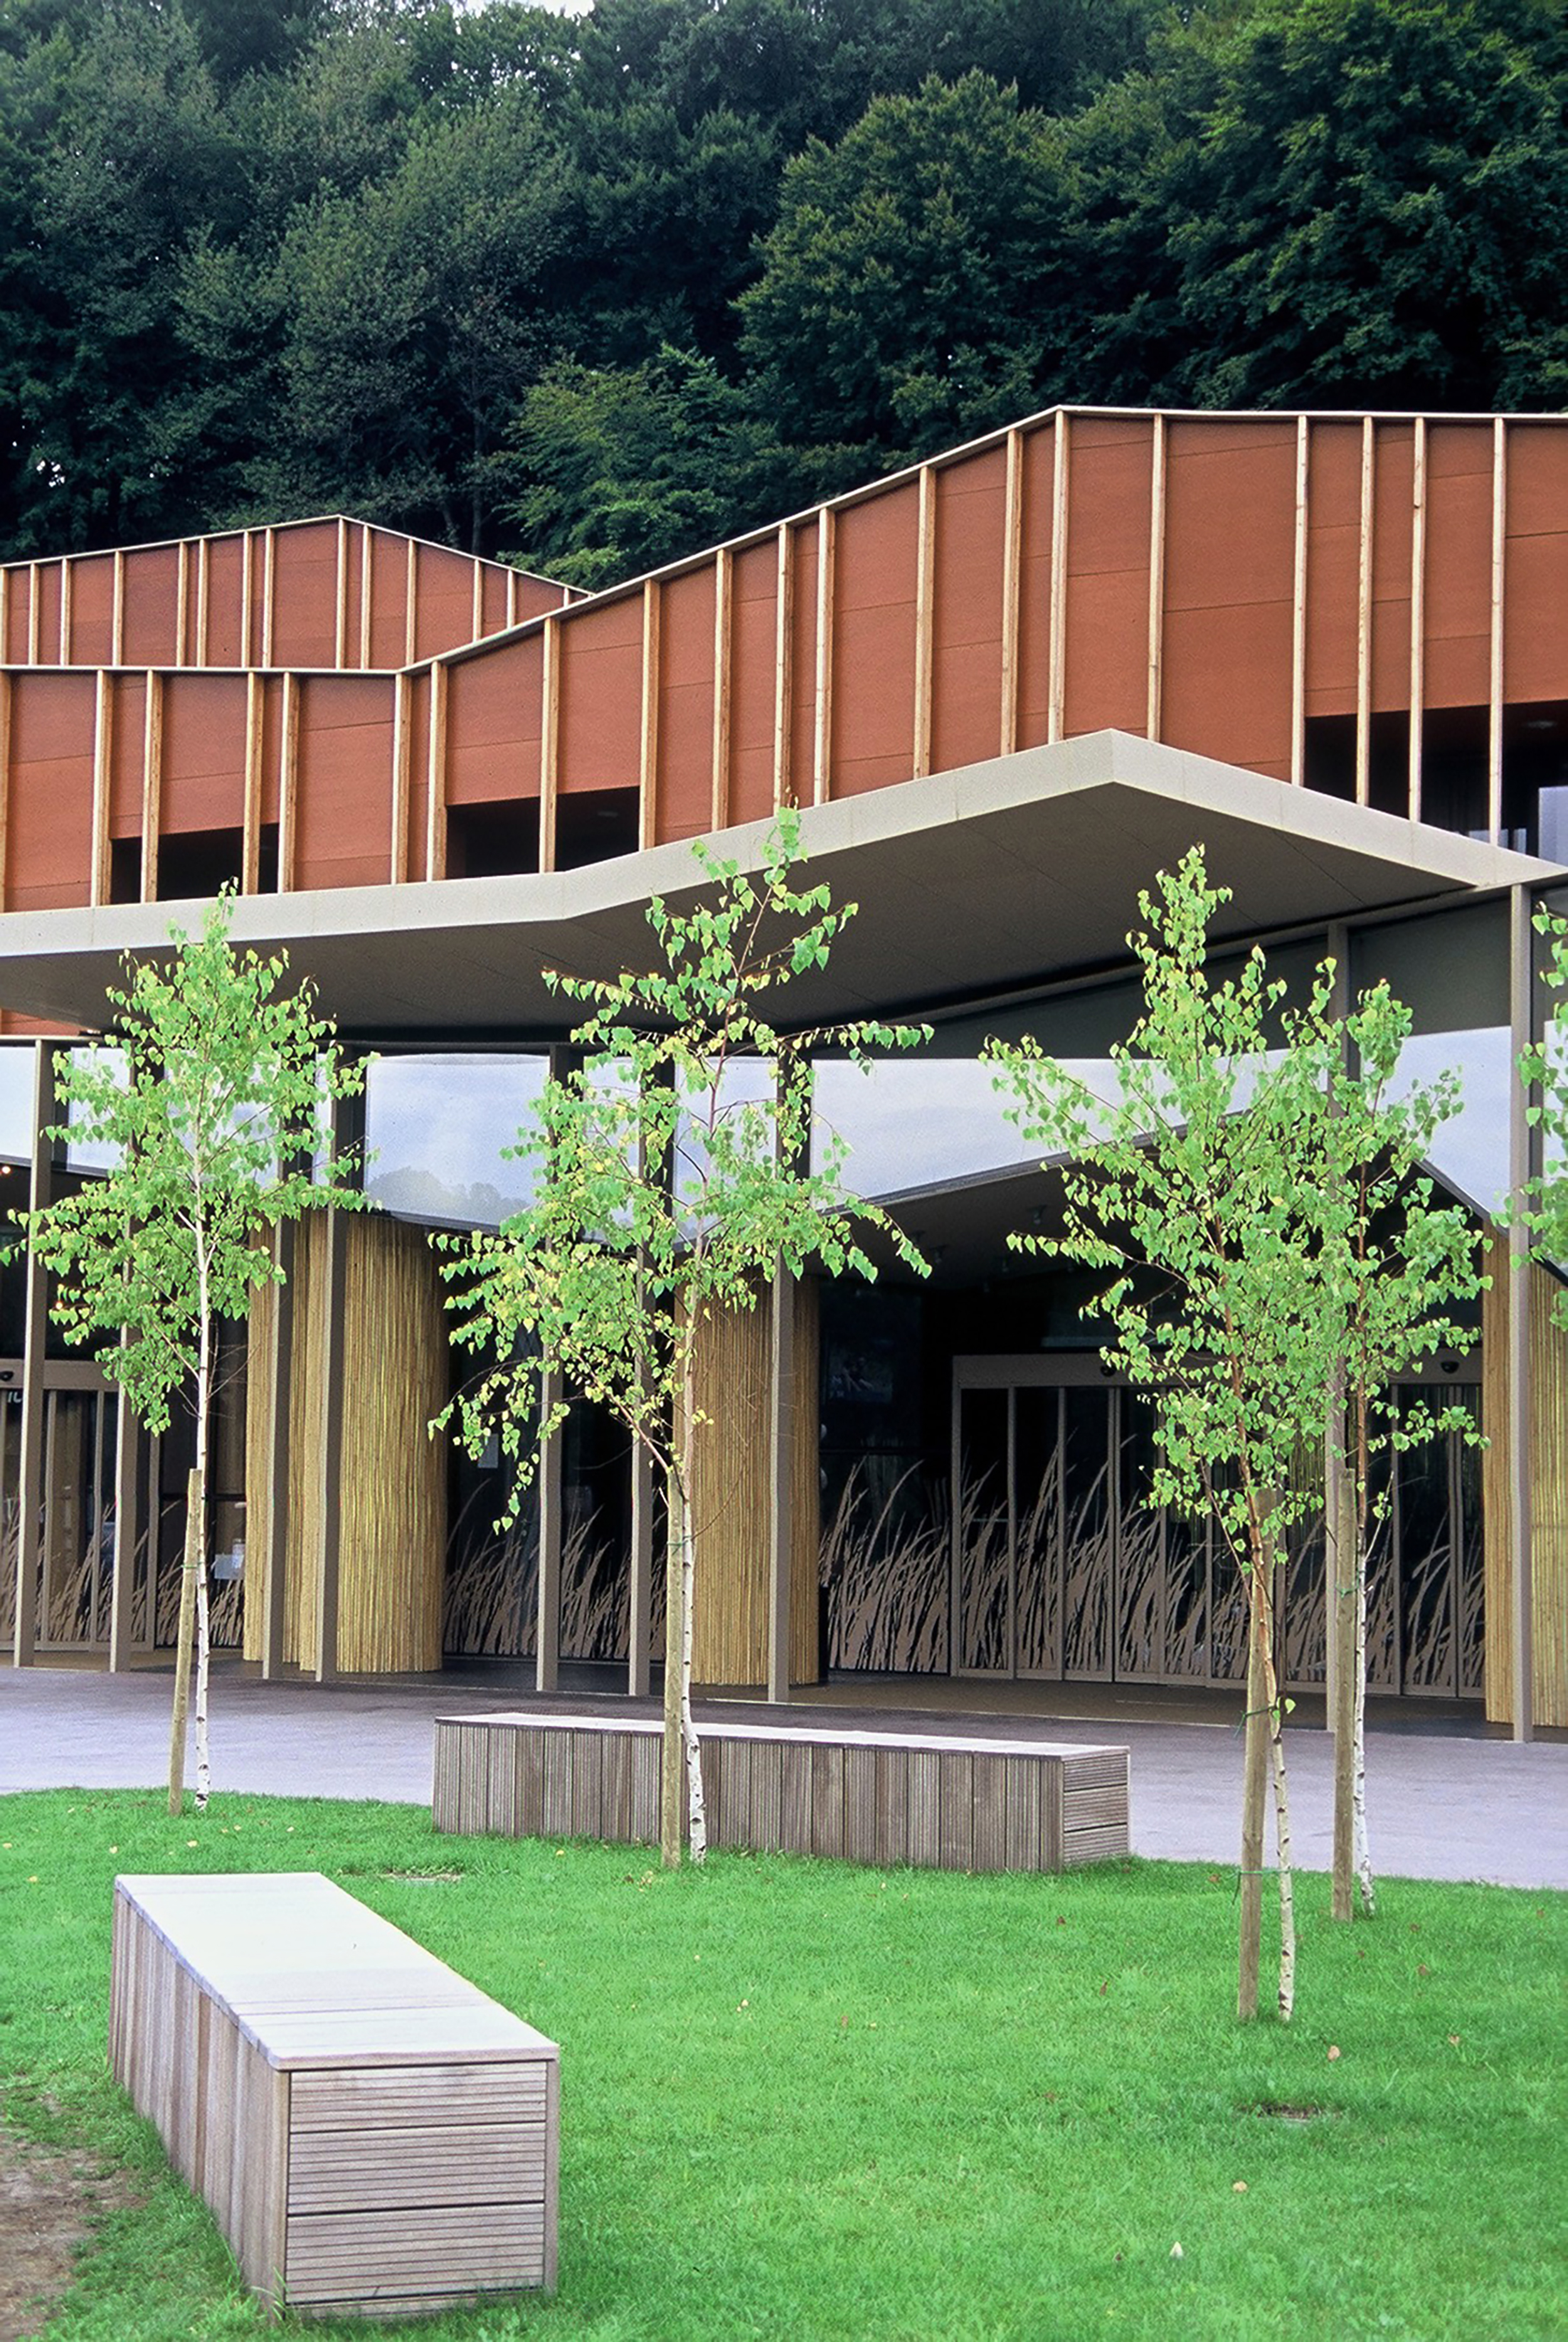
(592, 293)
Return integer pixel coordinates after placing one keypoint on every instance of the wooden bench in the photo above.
(866, 1797)
(370, 2131)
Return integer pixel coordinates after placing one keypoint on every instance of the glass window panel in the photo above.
(1140, 1546)
(1086, 1531)
(981, 1556)
(1037, 1530)
(437, 1130)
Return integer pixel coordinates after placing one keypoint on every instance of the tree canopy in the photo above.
(431, 262)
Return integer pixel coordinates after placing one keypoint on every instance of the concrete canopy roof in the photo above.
(972, 883)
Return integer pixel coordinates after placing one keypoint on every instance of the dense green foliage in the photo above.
(809, 2099)
(595, 289)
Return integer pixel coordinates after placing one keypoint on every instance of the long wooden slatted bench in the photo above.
(370, 2131)
(866, 1797)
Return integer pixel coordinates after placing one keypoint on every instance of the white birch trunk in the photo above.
(1363, 1851)
(1283, 1850)
(671, 1835)
(697, 1811)
(181, 1709)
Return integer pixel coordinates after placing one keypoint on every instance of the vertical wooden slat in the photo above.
(1363, 617)
(1494, 646)
(477, 617)
(784, 666)
(8, 613)
(1011, 575)
(35, 1322)
(1057, 688)
(34, 573)
(182, 603)
(6, 689)
(724, 631)
(781, 1430)
(117, 636)
(1299, 610)
(152, 783)
(411, 605)
(1417, 611)
(269, 594)
(204, 597)
(822, 729)
(436, 776)
(549, 740)
(288, 784)
(648, 722)
(367, 591)
(340, 631)
(102, 717)
(250, 861)
(402, 756)
(511, 582)
(925, 618)
(67, 587)
(1156, 574)
(247, 595)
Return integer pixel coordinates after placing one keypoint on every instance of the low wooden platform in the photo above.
(370, 2131)
(880, 1797)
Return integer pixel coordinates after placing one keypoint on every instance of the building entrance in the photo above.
(1063, 1570)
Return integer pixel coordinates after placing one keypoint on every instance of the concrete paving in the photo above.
(1441, 1806)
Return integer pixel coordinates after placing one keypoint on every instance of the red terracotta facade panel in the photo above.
(127, 754)
(493, 723)
(150, 626)
(969, 532)
(1230, 514)
(344, 832)
(601, 697)
(1038, 466)
(686, 704)
(1211, 703)
(204, 751)
(1107, 644)
(49, 832)
(802, 665)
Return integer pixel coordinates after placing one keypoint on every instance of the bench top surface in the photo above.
(813, 1735)
(313, 1977)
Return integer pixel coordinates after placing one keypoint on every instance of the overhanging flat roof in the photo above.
(1022, 870)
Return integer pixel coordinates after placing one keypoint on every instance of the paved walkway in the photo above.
(1440, 1807)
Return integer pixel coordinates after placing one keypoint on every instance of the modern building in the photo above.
(1006, 688)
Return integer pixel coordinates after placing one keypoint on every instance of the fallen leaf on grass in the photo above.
(1331, 2056)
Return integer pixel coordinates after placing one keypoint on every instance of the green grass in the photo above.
(807, 2101)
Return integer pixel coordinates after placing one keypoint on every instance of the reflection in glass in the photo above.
(981, 1532)
(437, 1132)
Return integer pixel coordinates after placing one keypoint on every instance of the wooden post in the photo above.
(182, 603)
(269, 593)
(340, 631)
(411, 605)
(547, 1634)
(1417, 611)
(288, 784)
(366, 590)
(279, 1368)
(1156, 575)
(648, 719)
(1056, 703)
(1495, 645)
(549, 738)
(117, 624)
(35, 1324)
(1524, 1159)
(6, 702)
(925, 619)
(123, 1567)
(1298, 612)
(204, 597)
(34, 595)
(822, 731)
(1012, 573)
(248, 595)
(103, 713)
(67, 581)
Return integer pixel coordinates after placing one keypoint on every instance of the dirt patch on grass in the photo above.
(48, 2202)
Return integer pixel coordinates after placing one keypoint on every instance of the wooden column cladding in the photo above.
(925, 618)
(1494, 631)
(5, 692)
(1061, 458)
(393, 1485)
(1549, 1502)
(436, 776)
(730, 1500)
(724, 631)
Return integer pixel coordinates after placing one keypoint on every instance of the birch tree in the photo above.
(674, 1176)
(1267, 1244)
(208, 1095)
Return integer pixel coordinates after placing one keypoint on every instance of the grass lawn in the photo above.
(807, 2101)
